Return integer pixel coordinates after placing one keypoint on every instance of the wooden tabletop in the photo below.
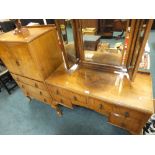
(109, 87)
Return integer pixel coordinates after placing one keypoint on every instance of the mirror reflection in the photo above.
(103, 40)
(68, 40)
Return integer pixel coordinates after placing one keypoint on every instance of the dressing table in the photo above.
(116, 90)
(58, 70)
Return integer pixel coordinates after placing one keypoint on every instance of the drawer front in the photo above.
(100, 106)
(129, 113)
(54, 90)
(35, 93)
(33, 89)
(75, 98)
(132, 125)
(78, 99)
(31, 82)
(63, 101)
(43, 99)
(38, 91)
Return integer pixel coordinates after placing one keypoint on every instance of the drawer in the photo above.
(134, 126)
(63, 101)
(74, 97)
(31, 94)
(44, 99)
(78, 99)
(35, 93)
(126, 112)
(31, 82)
(38, 91)
(59, 91)
(100, 106)
(33, 89)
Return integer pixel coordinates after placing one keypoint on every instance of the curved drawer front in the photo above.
(35, 93)
(125, 123)
(31, 82)
(75, 98)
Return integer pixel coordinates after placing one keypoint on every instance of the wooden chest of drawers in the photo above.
(31, 59)
(33, 89)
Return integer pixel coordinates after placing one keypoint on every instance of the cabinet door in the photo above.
(24, 60)
(139, 37)
(9, 59)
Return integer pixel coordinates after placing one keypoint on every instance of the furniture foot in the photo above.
(58, 111)
(29, 98)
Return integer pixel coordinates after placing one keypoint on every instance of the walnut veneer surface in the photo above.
(127, 105)
(31, 59)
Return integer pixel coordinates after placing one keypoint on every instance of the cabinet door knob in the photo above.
(17, 63)
(36, 85)
(126, 114)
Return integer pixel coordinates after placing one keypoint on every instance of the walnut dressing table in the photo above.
(56, 71)
(127, 105)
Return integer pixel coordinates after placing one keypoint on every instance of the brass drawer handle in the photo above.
(101, 106)
(36, 85)
(126, 114)
(75, 98)
(41, 93)
(27, 93)
(61, 100)
(17, 63)
(122, 124)
(57, 92)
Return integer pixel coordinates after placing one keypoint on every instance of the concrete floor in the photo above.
(18, 116)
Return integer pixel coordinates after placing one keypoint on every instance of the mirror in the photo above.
(103, 40)
(67, 38)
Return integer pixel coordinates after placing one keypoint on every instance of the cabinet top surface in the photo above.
(33, 33)
(109, 87)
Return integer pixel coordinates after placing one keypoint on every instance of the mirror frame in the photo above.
(94, 65)
(57, 22)
(133, 28)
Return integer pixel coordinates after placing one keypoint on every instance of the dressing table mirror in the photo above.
(67, 37)
(109, 45)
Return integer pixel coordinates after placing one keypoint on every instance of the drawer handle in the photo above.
(101, 106)
(41, 93)
(45, 100)
(17, 63)
(36, 85)
(122, 124)
(126, 114)
(75, 98)
(57, 92)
